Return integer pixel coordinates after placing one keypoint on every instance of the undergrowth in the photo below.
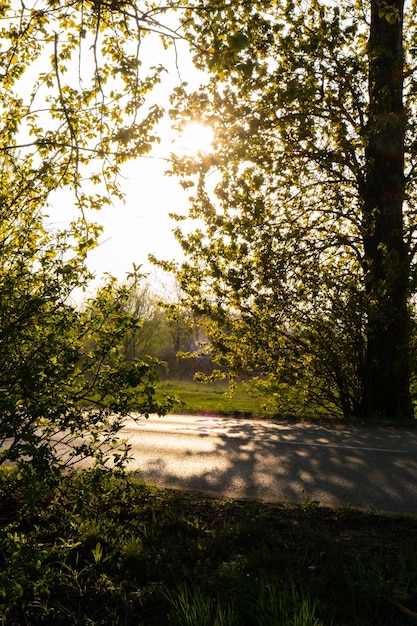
(102, 549)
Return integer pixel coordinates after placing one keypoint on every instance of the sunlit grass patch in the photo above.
(213, 398)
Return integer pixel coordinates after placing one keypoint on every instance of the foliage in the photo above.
(65, 386)
(164, 333)
(107, 549)
(305, 260)
(161, 334)
(73, 95)
(149, 338)
(74, 106)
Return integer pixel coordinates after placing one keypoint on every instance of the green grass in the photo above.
(105, 550)
(251, 399)
(213, 398)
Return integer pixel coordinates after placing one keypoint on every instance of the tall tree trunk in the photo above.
(386, 380)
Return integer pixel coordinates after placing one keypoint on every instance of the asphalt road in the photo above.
(362, 467)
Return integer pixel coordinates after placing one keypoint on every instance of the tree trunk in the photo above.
(386, 377)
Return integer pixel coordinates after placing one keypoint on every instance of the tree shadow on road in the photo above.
(333, 465)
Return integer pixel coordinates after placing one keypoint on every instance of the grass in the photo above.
(251, 399)
(213, 398)
(108, 550)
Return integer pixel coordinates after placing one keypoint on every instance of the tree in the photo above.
(306, 261)
(386, 257)
(146, 338)
(162, 332)
(73, 107)
(65, 387)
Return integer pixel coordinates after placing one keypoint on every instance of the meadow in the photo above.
(213, 397)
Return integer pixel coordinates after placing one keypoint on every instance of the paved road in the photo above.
(363, 467)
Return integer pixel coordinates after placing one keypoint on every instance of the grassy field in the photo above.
(198, 397)
(248, 400)
(105, 550)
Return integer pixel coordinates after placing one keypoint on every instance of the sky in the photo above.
(139, 226)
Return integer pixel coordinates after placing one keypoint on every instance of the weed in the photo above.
(191, 606)
(273, 606)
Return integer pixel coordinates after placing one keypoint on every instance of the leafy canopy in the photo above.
(278, 267)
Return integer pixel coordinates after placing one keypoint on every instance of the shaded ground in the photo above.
(110, 551)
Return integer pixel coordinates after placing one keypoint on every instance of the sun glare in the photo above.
(194, 138)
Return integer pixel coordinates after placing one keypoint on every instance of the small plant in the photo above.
(191, 606)
(274, 606)
(132, 549)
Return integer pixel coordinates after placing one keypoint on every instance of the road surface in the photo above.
(337, 465)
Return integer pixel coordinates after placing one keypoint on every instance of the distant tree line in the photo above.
(175, 338)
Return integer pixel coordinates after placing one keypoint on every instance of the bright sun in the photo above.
(194, 138)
